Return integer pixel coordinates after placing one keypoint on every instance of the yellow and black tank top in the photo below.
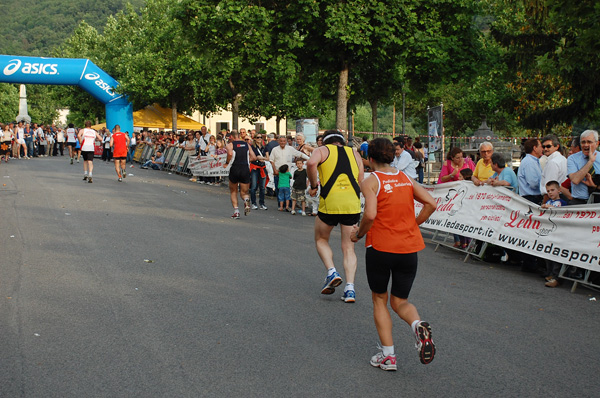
(340, 192)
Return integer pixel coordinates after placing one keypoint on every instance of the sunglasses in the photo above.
(488, 151)
(547, 146)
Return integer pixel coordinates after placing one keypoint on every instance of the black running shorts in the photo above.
(401, 267)
(88, 155)
(120, 158)
(334, 219)
(239, 174)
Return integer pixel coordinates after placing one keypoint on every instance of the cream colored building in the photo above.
(222, 121)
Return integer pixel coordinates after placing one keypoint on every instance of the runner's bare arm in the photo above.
(251, 154)
(311, 167)
(229, 154)
(361, 167)
(368, 188)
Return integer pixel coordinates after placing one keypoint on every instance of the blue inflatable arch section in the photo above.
(66, 71)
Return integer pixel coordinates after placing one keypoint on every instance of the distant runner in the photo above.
(87, 137)
(239, 172)
(71, 141)
(119, 142)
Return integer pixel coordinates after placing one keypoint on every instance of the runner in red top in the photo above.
(119, 141)
(393, 240)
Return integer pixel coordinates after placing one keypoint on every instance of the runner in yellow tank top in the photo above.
(340, 170)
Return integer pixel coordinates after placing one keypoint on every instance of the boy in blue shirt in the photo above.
(553, 267)
(554, 199)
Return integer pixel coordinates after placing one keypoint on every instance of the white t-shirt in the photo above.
(89, 136)
(71, 136)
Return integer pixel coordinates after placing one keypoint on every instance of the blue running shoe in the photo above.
(349, 296)
(331, 282)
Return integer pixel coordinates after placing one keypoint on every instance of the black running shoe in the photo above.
(425, 344)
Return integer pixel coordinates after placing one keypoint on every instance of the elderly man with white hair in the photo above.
(582, 166)
(483, 168)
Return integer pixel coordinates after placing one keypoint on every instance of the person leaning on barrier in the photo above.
(155, 161)
(483, 168)
(503, 176)
(455, 162)
(584, 168)
(530, 172)
(403, 161)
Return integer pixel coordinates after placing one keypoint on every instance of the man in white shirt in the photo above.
(402, 159)
(87, 138)
(556, 165)
(283, 154)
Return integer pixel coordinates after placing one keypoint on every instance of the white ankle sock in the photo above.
(331, 271)
(414, 325)
(349, 286)
(387, 350)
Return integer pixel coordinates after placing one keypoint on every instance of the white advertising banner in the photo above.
(567, 235)
(209, 166)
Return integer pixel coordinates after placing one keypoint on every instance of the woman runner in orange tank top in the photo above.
(393, 240)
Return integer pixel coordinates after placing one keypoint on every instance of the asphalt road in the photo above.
(232, 308)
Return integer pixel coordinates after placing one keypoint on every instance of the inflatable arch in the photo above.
(66, 71)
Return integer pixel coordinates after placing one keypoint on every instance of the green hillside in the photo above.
(35, 27)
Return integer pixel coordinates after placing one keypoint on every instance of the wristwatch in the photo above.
(311, 187)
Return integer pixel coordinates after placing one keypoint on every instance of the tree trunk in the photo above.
(277, 127)
(174, 115)
(374, 114)
(341, 114)
(235, 105)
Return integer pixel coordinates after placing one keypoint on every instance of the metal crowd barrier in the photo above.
(585, 281)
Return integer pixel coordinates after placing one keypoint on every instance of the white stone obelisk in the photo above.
(23, 115)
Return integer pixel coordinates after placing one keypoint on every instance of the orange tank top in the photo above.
(119, 145)
(395, 228)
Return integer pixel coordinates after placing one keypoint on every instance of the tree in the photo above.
(153, 60)
(84, 43)
(553, 48)
(9, 102)
(339, 36)
(233, 37)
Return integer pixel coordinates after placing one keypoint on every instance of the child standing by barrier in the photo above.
(554, 200)
(298, 193)
(284, 188)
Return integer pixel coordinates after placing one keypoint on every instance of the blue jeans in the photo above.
(284, 194)
(257, 182)
(151, 165)
(29, 144)
(130, 154)
(420, 174)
